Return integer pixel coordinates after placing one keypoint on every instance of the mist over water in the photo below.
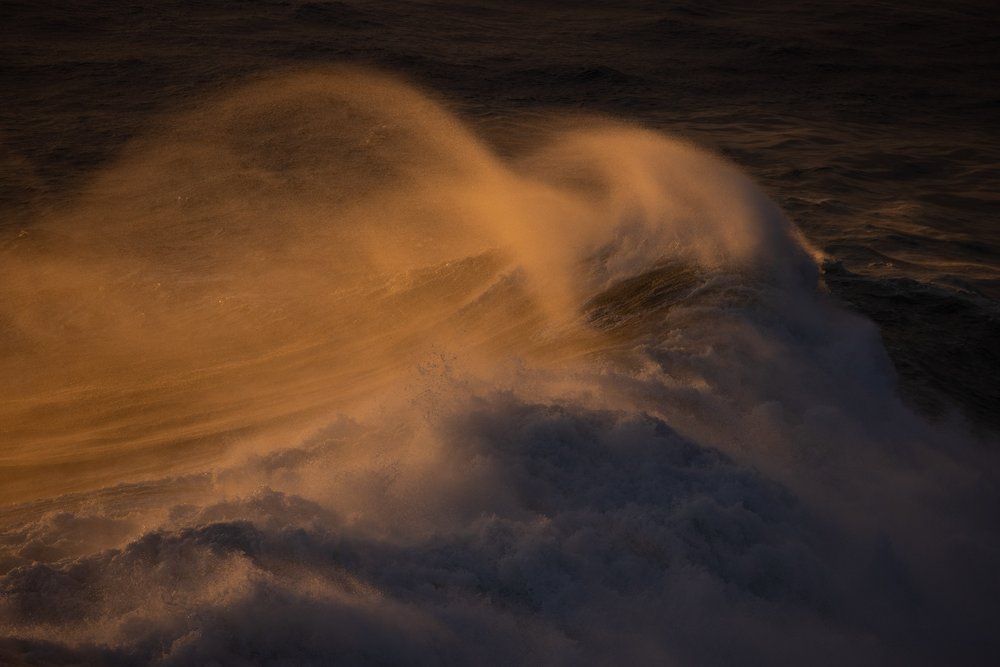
(313, 373)
(305, 236)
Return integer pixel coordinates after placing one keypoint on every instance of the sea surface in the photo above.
(564, 333)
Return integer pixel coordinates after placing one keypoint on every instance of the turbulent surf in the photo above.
(313, 373)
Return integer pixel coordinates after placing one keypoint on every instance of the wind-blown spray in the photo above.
(312, 373)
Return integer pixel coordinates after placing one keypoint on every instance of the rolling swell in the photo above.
(372, 393)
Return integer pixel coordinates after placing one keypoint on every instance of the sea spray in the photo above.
(312, 374)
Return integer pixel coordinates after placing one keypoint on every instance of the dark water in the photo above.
(463, 355)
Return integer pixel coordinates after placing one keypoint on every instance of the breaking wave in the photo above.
(313, 374)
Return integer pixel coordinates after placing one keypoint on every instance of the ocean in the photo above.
(433, 333)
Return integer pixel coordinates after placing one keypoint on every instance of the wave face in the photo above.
(312, 374)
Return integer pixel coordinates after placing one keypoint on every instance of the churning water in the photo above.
(320, 368)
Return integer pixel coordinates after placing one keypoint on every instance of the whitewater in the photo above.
(312, 373)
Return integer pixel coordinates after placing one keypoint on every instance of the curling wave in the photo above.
(312, 374)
